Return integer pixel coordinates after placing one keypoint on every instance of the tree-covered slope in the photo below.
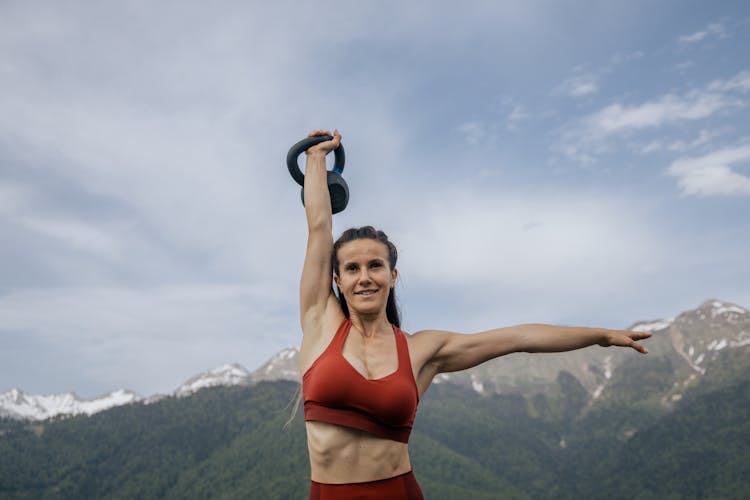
(231, 443)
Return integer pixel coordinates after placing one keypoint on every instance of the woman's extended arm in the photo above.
(315, 284)
(455, 351)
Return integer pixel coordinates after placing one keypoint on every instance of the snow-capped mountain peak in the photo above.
(231, 374)
(718, 308)
(284, 365)
(17, 404)
(20, 405)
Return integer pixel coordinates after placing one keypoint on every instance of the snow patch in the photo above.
(233, 374)
(743, 338)
(608, 367)
(718, 308)
(598, 391)
(477, 384)
(289, 353)
(717, 345)
(653, 326)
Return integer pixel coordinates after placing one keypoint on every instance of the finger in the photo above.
(638, 347)
(638, 335)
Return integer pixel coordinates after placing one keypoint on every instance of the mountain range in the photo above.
(688, 343)
(594, 423)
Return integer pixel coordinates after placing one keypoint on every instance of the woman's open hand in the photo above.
(324, 147)
(625, 338)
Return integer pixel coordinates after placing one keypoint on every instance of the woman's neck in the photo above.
(369, 326)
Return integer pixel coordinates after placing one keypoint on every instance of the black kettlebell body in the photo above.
(337, 187)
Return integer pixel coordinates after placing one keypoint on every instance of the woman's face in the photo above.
(365, 277)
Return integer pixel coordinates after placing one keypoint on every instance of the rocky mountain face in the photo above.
(282, 366)
(681, 350)
(688, 342)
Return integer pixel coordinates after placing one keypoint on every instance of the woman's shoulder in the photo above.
(427, 335)
(423, 344)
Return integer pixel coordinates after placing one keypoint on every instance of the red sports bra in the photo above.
(336, 393)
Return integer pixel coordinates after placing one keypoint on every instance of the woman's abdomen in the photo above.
(343, 455)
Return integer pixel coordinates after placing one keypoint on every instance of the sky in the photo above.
(577, 163)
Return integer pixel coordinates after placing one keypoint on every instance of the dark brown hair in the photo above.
(368, 232)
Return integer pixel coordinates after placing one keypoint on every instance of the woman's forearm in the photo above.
(550, 338)
(317, 198)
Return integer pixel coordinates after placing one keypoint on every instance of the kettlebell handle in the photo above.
(304, 145)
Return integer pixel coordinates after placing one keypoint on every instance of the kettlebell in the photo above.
(337, 187)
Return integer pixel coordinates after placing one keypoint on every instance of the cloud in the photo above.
(14, 196)
(151, 230)
(586, 83)
(624, 57)
(75, 233)
(667, 109)
(740, 82)
(579, 86)
(534, 241)
(597, 133)
(145, 209)
(150, 339)
(517, 114)
(478, 257)
(704, 137)
(711, 175)
(474, 132)
(717, 30)
(683, 66)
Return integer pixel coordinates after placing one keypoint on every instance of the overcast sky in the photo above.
(561, 162)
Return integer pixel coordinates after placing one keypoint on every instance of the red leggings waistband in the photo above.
(401, 487)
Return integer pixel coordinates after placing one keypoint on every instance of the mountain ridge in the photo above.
(689, 340)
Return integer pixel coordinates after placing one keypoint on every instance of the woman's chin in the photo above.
(367, 308)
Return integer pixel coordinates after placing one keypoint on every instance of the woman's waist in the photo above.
(343, 455)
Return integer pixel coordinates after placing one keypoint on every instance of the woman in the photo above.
(363, 376)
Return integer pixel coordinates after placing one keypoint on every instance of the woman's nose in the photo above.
(364, 276)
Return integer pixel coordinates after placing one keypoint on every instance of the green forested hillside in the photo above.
(230, 443)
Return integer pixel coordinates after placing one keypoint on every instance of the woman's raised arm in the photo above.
(316, 291)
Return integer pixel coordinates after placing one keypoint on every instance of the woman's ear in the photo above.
(394, 275)
(336, 280)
